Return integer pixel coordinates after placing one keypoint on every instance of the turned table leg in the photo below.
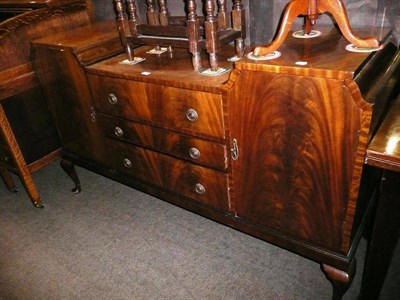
(341, 280)
(69, 168)
(8, 181)
(384, 237)
(19, 161)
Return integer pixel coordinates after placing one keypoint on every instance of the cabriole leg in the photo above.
(341, 280)
(69, 168)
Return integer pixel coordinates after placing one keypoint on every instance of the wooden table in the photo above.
(384, 152)
(28, 137)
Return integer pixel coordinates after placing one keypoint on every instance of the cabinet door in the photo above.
(297, 138)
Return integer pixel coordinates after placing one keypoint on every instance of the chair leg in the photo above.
(8, 180)
(193, 26)
(211, 28)
(69, 168)
(239, 24)
(19, 161)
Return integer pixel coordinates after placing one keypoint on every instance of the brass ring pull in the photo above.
(192, 115)
(194, 153)
(199, 189)
(118, 131)
(127, 163)
(112, 98)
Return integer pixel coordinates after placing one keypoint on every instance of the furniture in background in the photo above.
(311, 9)
(60, 60)
(191, 31)
(384, 153)
(9, 9)
(28, 137)
(273, 148)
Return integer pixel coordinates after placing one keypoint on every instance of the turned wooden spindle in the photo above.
(239, 24)
(132, 16)
(193, 27)
(223, 18)
(311, 17)
(211, 28)
(123, 28)
(163, 12)
(311, 9)
(152, 15)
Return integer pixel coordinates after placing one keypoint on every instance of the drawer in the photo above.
(199, 183)
(189, 111)
(200, 151)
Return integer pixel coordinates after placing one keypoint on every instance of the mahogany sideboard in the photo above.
(273, 148)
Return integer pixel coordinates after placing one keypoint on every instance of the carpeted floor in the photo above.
(113, 242)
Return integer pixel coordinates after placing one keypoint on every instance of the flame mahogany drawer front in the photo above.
(199, 183)
(192, 112)
(199, 151)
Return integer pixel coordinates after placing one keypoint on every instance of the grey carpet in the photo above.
(113, 242)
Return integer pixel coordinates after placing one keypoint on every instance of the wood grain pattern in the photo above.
(165, 172)
(59, 62)
(210, 153)
(384, 149)
(18, 160)
(296, 178)
(158, 105)
(169, 69)
(30, 134)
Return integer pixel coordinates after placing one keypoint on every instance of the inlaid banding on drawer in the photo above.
(200, 183)
(200, 151)
(188, 111)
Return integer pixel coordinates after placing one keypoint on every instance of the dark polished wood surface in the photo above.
(384, 153)
(28, 133)
(173, 69)
(311, 112)
(384, 149)
(326, 53)
(290, 139)
(24, 3)
(59, 60)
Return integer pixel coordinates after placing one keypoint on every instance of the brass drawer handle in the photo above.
(112, 98)
(127, 163)
(118, 131)
(194, 153)
(199, 189)
(192, 115)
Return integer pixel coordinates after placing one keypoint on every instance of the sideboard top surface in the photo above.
(324, 56)
(173, 69)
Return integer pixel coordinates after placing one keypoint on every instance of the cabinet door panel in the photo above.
(297, 138)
